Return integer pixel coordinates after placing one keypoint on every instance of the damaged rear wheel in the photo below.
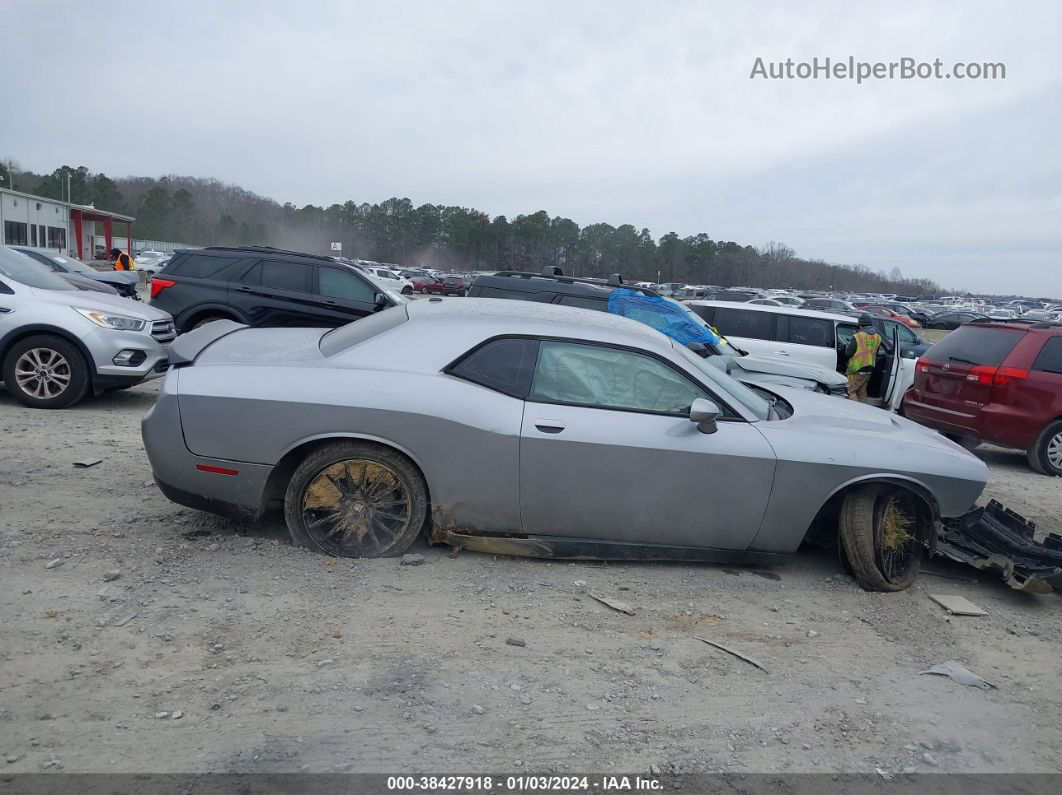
(356, 500)
(883, 531)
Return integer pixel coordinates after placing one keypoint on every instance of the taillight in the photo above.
(922, 367)
(1005, 376)
(981, 374)
(158, 285)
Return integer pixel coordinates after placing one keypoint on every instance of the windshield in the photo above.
(23, 269)
(72, 265)
(732, 389)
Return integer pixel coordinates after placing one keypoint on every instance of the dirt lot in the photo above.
(220, 647)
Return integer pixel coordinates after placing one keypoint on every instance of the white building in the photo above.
(71, 229)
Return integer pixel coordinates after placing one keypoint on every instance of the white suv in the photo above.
(801, 335)
(57, 342)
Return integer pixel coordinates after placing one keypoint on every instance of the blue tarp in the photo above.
(667, 317)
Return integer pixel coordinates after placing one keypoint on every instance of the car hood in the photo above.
(113, 277)
(765, 364)
(861, 435)
(101, 301)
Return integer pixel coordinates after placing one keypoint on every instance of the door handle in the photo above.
(782, 353)
(549, 426)
(243, 288)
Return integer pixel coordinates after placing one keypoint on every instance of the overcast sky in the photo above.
(637, 112)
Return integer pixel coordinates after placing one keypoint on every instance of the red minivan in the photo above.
(995, 382)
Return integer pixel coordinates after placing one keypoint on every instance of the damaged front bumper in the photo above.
(994, 538)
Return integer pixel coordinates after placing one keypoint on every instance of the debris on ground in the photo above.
(85, 463)
(958, 605)
(516, 641)
(411, 559)
(112, 575)
(956, 671)
(608, 601)
(994, 538)
(739, 655)
(51, 564)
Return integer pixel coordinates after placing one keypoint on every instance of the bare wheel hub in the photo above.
(356, 508)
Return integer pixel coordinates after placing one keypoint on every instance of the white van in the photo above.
(805, 335)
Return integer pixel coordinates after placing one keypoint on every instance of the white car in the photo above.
(802, 335)
(405, 286)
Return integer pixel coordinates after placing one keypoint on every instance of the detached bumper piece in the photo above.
(995, 538)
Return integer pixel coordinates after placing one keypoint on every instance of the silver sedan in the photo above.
(541, 430)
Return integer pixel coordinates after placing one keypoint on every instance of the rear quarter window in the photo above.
(1049, 360)
(976, 345)
(504, 365)
(197, 266)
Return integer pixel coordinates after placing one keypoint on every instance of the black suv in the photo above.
(263, 287)
(550, 287)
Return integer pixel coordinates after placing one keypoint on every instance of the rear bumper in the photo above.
(179, 474)
(993, 423)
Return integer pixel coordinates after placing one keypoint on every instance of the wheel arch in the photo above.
(192, 314)
(17, 335)
(277, 482)
(824, 526)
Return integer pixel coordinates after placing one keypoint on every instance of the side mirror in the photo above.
(704, 413)
(381, 301)
(907, 354)
(698, 348)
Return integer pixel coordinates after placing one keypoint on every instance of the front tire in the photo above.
(46, 372)
(882, 531)
(356, 500)
(1045, 456)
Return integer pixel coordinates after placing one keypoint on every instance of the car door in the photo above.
(342, 295)
(607, 452)
(810, 340)
(276, 293)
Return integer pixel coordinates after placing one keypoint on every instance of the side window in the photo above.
(198, 266)
(584, 303)
(335, 283)
(285, 276)
(1049, 359)
(504, 365)
(781, 329)
(811, 331)
(844, 335)
(744, 323)
(906, 335)
(705, 313)
(608, 378)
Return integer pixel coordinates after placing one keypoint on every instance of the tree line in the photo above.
(200, 211)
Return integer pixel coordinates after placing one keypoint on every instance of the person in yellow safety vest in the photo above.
(122, 262)
(862, 352)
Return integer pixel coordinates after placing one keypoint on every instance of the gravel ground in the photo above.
(167, 640)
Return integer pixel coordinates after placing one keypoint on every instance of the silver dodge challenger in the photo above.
(540, 430)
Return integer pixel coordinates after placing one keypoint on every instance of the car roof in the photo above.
(777, 310)
(1045, 326)
(539, 319)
